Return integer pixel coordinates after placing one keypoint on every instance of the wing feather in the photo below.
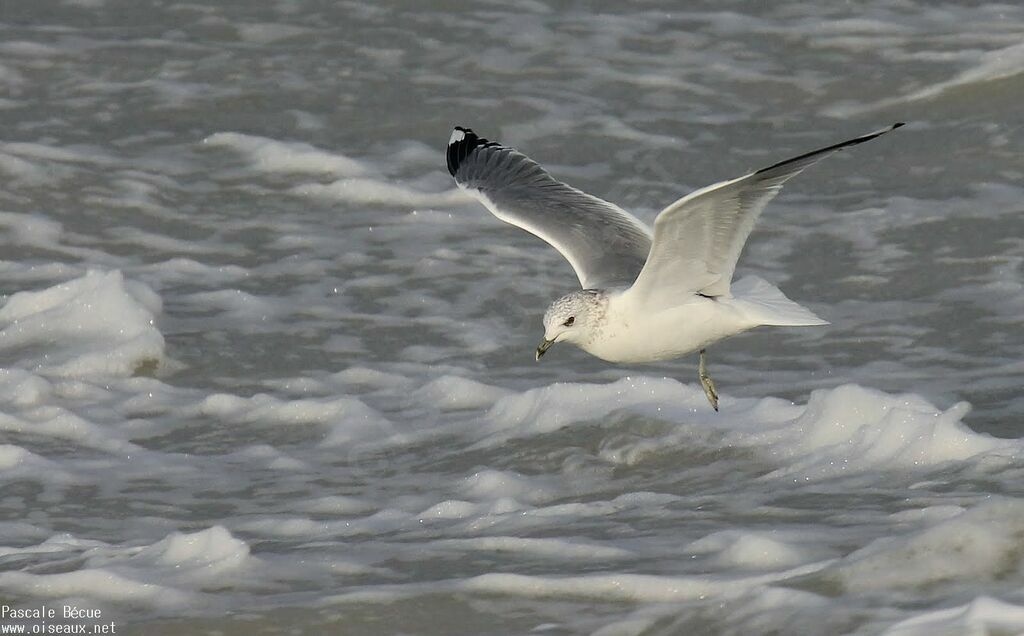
(699, 238)
(605, 245)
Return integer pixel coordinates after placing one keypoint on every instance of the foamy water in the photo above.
(263, 370)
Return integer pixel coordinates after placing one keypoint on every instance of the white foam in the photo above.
(977, 545)
(451, 393)
(489, 485)
(272, 156)
(22, 171)
(752, 550)
(365, 190)
(93, 583)
(382, 521)
(852, 429)
(196, 556)
(347, 419)
(19, 464)
(55, 155)
(29, 49)
(156, 242)
(845, 430)
(268, 456)
(60, 423)
(167, 574)
(982, 616)
(23, 389)
(96, 325)
(268, 32)
(180, 270)
(32, 229)
(237, 305)
(990, 66)
(557, 405)
(451, 509)
(55, 544)
(335, 505)
(372, 378)
(623, 587)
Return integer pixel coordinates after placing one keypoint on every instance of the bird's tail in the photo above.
(764, 304)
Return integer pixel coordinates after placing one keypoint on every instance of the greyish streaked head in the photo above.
(573, 318)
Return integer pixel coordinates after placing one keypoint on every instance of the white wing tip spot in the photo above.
(457, 135)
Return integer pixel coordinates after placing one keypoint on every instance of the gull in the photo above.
(647, 295)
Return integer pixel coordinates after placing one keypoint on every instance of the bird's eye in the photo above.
(568, 321)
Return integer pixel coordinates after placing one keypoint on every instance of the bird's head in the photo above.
(571, 318)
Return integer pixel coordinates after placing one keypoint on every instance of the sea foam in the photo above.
(984, 615)
(97, 325)
(845, 430)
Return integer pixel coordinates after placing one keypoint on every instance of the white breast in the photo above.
(629, 335)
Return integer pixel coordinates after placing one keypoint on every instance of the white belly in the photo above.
(640, 337)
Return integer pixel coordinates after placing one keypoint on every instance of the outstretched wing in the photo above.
(605, 245)
(698, 239)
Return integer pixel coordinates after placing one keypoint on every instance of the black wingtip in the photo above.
(839, 146)
(874, 135)
(877, 133)
(461, 144)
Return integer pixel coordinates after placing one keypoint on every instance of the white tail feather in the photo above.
(764, 304)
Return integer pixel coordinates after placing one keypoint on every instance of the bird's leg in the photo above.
(707, 382)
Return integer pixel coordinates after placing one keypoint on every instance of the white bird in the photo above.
(646, 295)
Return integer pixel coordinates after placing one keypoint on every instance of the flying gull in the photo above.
(646, 295)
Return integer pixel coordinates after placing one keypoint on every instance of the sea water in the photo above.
(263, 370)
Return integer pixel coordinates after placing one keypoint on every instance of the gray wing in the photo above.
(605, 245)
(698, 239)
